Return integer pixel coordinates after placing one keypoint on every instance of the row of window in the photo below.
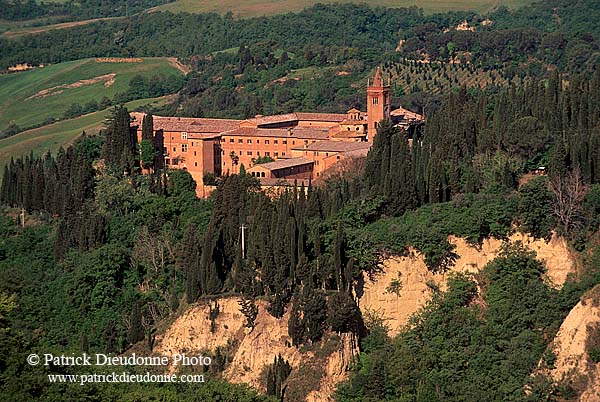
(249, 153)
(175, 162)
(184, 148)
(249, 141)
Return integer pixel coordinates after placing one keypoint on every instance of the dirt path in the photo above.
(63, 25)
(108, 79)
(181, 67)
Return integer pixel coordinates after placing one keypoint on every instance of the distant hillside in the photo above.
(41, 96)
(256, 8)
(52, 137)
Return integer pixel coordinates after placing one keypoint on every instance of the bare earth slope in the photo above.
(416, 278)
(573, 365)
(253, 350)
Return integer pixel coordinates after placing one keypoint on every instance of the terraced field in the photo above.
(29, 98)
(53, 136)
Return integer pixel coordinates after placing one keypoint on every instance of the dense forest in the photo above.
(511, 37)
(108, 254)
(100, 226)
(20, 10)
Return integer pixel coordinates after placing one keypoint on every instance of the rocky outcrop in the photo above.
(336, 370)
(573, 367)
(253, 350)
(326, 365)
(192, 330)
(417, 281)
(259, 347)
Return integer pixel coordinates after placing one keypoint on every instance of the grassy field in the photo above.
(53, 136)
(15, 30)
(254, 8)
(30, 97)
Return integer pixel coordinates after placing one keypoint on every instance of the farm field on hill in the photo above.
(17, 29)
(31, 97)
(53, 136)
(254, 8)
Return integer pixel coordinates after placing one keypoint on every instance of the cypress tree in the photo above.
(148, 128)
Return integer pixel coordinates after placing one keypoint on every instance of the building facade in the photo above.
(289, 147)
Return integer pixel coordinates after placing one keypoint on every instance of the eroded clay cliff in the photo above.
(417, 281)
(325, 366)
(574, 367)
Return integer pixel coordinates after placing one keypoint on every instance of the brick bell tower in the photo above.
(378, 103)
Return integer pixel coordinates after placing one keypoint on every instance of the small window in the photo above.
(348, 128)
(195, 163)
(194, 153)
(231, 140)
(357, 128)
(326, 153)
(183, 147)
(267, 153)
(262, 174)
(266, 141)
(249, 153)
(337, 157)
(249, 141)
(284, 142)
(241, 140)
(258, 141)
(167, 161)
(275, 142)
(315, 153)
(293, 142)
(257, 153)
(375, 101)
(184, 136)
(174, 149)
(276, 154)
(283, 154)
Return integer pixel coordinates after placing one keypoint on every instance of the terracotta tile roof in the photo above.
(294, 117)
(308, 133)
(407, 114)
(332, 117)
(194, 125)
(282, 164)
(348, 134)
(357, 153)
(353, 121)
(336, 146)
(189, 124)
(265, 120)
